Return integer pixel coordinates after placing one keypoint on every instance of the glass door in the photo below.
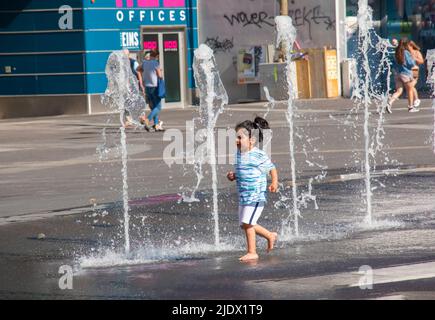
(171, 66)
(171, 47)
(150, 41)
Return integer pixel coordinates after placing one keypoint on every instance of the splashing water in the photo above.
(101, 149)
(430, 57)
(122, 95)
(213, 98)
(366, 91)
(286, 36)
(271, 102)
(153, 254)
(199, 157)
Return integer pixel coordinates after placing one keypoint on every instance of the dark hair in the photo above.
(154, 53)
(258, 124)
(414, 46)
(400, 51)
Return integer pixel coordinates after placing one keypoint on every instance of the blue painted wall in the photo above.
(43, 59)
(46, 60)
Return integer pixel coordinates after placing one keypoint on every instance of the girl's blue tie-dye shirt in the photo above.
(252, 168)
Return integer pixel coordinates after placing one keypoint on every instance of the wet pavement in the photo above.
(60, 211)
(173, 254)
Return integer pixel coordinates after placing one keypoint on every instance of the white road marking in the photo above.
(317, 284)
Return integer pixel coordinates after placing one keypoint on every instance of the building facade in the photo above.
(234, 28)
(53, 52)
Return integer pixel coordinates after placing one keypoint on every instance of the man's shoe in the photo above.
(417, 103)
(413, 110)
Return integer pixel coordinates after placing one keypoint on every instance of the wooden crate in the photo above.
(303, 79)
(316, 58)
(323, 73)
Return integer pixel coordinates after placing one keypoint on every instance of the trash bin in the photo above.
(348, 72)
(273, 76)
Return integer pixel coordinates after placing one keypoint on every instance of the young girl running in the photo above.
(252, 166)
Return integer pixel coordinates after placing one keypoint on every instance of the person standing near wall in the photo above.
(151, 72)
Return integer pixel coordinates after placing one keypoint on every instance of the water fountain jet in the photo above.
(213, 98)
(366, 92)
(286, 37)
(430, 57)
(122, 95)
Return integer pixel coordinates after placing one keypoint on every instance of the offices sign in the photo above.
(130, 40)
(151, 3)
(145, 11)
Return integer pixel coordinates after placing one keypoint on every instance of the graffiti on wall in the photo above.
(306, 16)
(311, 16)
(259, 19)
(218, 45)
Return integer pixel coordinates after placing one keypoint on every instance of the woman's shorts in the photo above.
(249, 214)
(401, 79)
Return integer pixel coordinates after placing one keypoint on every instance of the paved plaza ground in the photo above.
(61, 192)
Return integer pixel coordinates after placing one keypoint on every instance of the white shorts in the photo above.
(250, 214)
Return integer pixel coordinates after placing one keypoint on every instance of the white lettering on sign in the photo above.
(162, 16)
(120, 16)
(131, 15)
(183, 15)
(172, 15)
(129, 39)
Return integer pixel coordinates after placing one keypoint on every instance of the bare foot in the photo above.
(249, 256)
(128, 124)
(271, 241)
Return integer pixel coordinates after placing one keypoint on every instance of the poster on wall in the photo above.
(248, 61)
